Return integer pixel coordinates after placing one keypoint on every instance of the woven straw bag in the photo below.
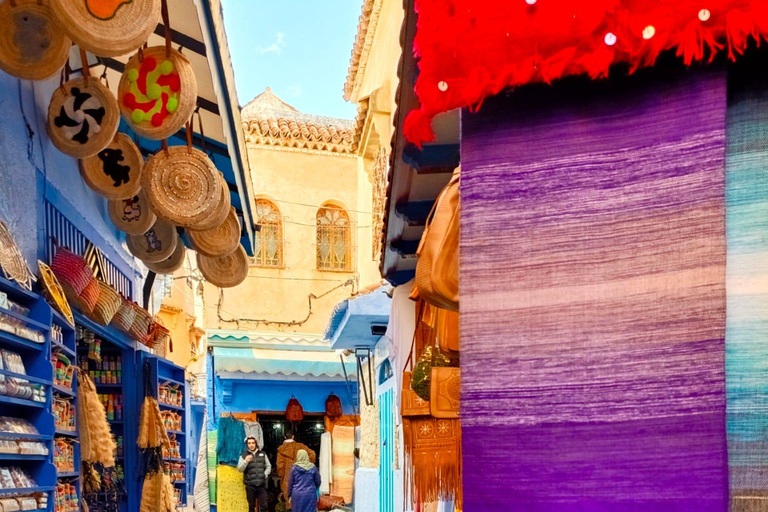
(155, 245)
(218, 241)
(72, 271)
(108, 28)
(182, 185)
(33, 45)
(172, 264)
(158, 336)
(224, 271)
(124, 316)
(107, 304)
(82, 117)
(87, 300)
(157, 93)
(115, 171)
(141, 325)
(132, 216)
(222, 210)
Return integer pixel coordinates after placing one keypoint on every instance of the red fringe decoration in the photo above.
(472, 49)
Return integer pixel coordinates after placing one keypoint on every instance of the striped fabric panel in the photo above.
(593, 298)
(747, 285)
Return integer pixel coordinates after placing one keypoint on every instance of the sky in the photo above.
(299, 48)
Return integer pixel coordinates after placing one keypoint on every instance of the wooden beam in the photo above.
(183, 40)
(414, 213)
(432, 159)
(405, 248)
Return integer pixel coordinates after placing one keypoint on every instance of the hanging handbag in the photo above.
(445, 392)
(328, 502)
(437, 270)
(410, 403)
(294, 412)
(447, 327)
(333, 407)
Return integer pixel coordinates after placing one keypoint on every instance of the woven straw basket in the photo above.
(87, 300)
(155, 245)
(225, 271)
(124, 316)
(141, 325)
(219, 241)
(222, 210)
(107, 304)
(158, 336)
(159, 109)
(72, 271)
(115, 171)
(32, 43)
(132, 216)
(108, 28)
(54, 292)
(182, 185)
(172, 264)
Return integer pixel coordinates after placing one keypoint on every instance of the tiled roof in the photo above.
(366, 28)
(269, 121)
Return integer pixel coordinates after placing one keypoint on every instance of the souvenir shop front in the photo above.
(91, 418)
(269, 386)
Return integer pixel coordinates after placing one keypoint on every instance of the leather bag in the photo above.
(333, 407)
(447, 327)
(328, 502)
(410, 403)
(437, 271)
(294, 412)
(445, 392)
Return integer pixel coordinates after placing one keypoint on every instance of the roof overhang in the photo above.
(359, 322)
(282, 363)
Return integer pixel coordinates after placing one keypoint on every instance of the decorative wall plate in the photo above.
(33, 45)
(13, 263)
(108, 28)
(133, 215)
(54, 292)
(82, 117)
(115, 171)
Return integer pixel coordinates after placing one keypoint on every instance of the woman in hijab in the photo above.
(303, 483)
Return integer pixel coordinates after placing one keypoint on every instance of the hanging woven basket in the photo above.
(155, 245)
(82, 117)
(87, 300)
(33, 45)
(158, 336)
(172, 264)
(132, 216)
(141, 325)
(124, 316)
(158, 94)
(54, 292)
(115, 171)
(107, 304)
(72, 271)
(222, 209)
(219, 241)
(108, 28)
(182, 185)
(225, 271)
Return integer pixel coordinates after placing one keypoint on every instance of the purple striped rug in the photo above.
(593, 298)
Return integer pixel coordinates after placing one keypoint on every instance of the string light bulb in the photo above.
(610, 39)
(704, 15)
(649, 32)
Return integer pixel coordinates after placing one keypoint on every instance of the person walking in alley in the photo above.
(286, 456)
(303, 483)
(255, 467)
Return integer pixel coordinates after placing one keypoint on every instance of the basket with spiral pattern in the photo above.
(155, 245)
(219, 241)
(225, 271)
(124, 316)
(172, 264)
(222, 209)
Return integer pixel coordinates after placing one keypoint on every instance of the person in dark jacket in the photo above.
(303, 484)
(255, 467)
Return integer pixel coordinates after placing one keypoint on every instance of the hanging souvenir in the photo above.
(155, 245)
(115, 171)
(219, 241)
(82, 117)
(13, 263)
(222, 209)
(225, 271)
(182, 185)
(54, 292)
(172, 264)
(32, 43)
(96, 441)
(133, 215)
(108, 28)
(157, 92)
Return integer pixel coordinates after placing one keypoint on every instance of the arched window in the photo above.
(268, 244)
(334, 239)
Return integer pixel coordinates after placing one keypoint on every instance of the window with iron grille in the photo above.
(268, 241)
(334, 239)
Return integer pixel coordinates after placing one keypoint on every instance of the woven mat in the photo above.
(593, 298)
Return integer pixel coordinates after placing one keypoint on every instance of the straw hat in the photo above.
(82, 117)
(132, 216)
(32, 43)
(219, 241)
(155, 245)
(225, 271)
(115, 171)
(111, 28)
(221, 212)
(182, 185)
(172, 264)
(158, 94)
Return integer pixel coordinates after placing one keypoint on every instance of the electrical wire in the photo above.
(316, 206)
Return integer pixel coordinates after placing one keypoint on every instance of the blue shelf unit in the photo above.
(37, 364)
(164, 372)
(116, 344)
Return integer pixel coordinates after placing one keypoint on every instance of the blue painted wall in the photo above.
(31, 168)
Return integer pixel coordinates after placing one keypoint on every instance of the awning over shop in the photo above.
(359, 321)
(276, 362)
